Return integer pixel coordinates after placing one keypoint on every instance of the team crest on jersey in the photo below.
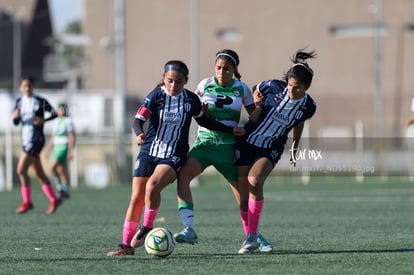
(277, 100)
(175, 159)
(236, 92)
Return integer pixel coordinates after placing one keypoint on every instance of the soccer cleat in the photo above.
(139, 237)
(264, 245)
(24, 207)
(187, 235)
(64, 194)
(122, 250)
(53, 206)
(249, 245)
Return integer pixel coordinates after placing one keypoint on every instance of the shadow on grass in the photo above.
(206, 256)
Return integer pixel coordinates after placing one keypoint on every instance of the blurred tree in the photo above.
(73, 51)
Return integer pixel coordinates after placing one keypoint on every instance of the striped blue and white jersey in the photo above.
(280, 115)
(169, 120)
(30, 107)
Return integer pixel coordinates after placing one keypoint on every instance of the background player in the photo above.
(29, 111)
(62, 143)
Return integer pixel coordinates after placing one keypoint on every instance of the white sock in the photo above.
(187, 218)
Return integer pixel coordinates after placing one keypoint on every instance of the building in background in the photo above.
(265, 33)
(24, 27)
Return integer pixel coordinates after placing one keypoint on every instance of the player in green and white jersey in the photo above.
(63, 142)
(224, 95)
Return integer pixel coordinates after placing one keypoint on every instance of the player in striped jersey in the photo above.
(225, 95)
(169, 110)
(281, 106)
(30, 111)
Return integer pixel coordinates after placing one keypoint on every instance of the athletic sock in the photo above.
(49, 192)
(149, 217)
(186, 214)
(128, 232)
(244, 220)
(255, 210)
(26, 192)
(58, 185)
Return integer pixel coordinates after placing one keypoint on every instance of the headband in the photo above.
(177, 68)
(303, 65)
(229, 56)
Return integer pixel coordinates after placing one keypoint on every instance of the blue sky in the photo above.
(65, 11)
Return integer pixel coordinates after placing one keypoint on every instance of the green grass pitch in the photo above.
(330, 226)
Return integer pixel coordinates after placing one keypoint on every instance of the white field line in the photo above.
(377, 195)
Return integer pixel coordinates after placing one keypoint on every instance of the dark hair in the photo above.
(28, 78)
(65, 108)
(300, 69)
(231, 56)
(174, 65)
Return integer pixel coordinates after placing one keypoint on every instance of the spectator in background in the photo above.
(29, 111)
(62, 143)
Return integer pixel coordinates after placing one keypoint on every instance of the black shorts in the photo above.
(145, 164)
(246, 154)
(34, 148)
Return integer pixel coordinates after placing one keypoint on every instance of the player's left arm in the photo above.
(297, 134)
(47, 107)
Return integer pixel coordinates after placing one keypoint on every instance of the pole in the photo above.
(120, 82)
(379, 108)
(119, 64)
(17, 51)
(399, 78)
(195, 43)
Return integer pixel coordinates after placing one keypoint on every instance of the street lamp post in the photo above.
(377, 31)
(17, 51)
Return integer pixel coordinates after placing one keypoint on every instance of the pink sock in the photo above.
(149, 217)
(244, 220)
(49, 192)
(26, 192)
(255, 210)
(128, 231)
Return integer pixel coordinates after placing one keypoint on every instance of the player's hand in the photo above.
(16, 113)
(204, 108)
(258, 97)
(238, 131)
(37, 121)
(140, 139)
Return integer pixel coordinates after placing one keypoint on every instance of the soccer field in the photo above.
(330, 226)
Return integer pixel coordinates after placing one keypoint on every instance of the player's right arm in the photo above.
(16, 113)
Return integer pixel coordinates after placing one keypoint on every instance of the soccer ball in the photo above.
(159, 242)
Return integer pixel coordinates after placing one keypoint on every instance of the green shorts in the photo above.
(61, 156)
(219, 156)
